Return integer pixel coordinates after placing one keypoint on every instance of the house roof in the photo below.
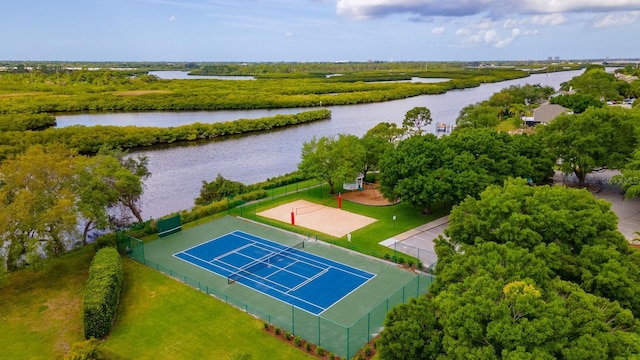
(547, 112)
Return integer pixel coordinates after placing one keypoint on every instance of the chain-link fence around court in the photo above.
(344, 340)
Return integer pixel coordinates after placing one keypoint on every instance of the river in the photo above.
(178, 170)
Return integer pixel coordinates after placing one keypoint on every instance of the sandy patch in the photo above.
(370, 195)
(332, 221)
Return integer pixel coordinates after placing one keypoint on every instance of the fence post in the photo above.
(293, 321)
(348, 355)
(319, 331)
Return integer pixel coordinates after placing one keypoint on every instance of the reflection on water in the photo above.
(178, 171)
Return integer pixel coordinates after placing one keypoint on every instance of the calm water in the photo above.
(178, 171)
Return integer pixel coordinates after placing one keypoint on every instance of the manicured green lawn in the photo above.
(41, 310)
(159, 318)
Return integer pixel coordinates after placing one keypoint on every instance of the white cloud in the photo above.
(365, 9)
(438, 30)
(551, 19)
(616, 19)
(172, 18)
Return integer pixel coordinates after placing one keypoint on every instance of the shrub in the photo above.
(83, 350)
(331, 356)
(287, 335)
(307, 346)
(266, 326)
(297, 341)
(400, 260)
(368, 351)
(387, 257)
(410, 262)
(320, 351)
(102, 293)
(277, 330)
(89, 349)
(106, 240)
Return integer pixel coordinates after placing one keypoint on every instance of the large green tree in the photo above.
(96, 195)
(38, 196)
(579, 103)
(128, 181)
(501, 290)
(577, 232)
(594, 139)
(49, 192)
(416, 119)
(411, 172)
(334, 159)
(496, 301)
(376, 141)
(425, 170)
(595, 81)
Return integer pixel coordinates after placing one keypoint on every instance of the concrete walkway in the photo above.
(418, 242)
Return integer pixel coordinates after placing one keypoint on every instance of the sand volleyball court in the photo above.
(328, 220)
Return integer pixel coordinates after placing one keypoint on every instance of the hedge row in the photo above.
(199, 212)
(102, 293)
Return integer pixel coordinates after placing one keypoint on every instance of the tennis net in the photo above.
(252, 267)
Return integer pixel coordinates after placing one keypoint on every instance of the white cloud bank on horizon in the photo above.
(364, 9)
(496, 23)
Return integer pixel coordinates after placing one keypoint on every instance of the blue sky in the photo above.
(318, 30)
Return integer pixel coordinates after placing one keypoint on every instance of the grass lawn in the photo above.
(158, 317)
(41, 310)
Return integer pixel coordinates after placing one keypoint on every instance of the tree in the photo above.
(594, 139)
(595, 81)
(410, 172)
(575, 232)
(477, 116)
(579, 103)
(333, 159)
(96, 193)
(376, 142)
(629, 177)
(38, 197)
(416, 119)
(128, 181)
(411, 331)
(497, 301)
(424, 170)
(218, 189)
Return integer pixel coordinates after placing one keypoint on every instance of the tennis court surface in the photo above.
(310, 282)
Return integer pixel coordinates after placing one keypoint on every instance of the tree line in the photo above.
(89, 139)
(52, 198)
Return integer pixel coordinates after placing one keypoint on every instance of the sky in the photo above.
(318, 30)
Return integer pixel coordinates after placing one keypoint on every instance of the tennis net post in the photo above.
(261, 263)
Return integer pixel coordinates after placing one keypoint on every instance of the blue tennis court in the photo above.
(307, 281)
